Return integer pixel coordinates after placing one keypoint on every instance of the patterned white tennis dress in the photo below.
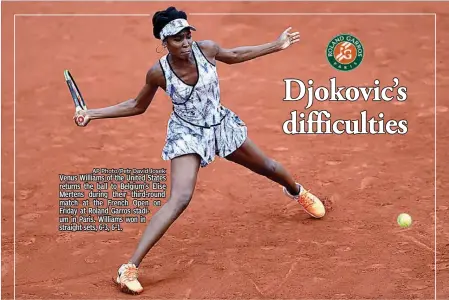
(199, 123)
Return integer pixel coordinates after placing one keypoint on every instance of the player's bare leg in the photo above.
(184, 171)
(251, 157)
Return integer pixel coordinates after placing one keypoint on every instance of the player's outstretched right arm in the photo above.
(129, 107)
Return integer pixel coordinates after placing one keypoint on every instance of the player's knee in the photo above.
(181, 199)
(270, 167)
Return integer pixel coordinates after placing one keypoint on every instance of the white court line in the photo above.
(1, 148)
(312, 14)
(83, 15)
(230, 14)
(435, 162)
(214, 1)
(14, 172)
(222, 14)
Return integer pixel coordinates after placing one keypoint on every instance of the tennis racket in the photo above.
(77, 98)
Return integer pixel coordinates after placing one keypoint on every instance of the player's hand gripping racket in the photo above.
(77, 98)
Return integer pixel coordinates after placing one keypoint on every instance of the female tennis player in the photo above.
(199, 128)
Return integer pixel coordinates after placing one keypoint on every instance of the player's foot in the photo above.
(311, 204)
(127, 279)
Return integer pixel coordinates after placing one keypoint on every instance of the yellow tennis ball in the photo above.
(404, 220)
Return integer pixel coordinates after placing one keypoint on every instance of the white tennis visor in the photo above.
(174, 27)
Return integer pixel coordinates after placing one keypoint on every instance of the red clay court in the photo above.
(240, 238)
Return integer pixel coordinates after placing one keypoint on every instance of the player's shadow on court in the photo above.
(150, 280)
(158, 280)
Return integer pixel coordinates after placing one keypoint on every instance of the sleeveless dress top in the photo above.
(199, 124)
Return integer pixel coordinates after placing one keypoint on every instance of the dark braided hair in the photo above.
(162, 18)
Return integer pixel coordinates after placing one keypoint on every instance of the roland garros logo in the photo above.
(345, 52)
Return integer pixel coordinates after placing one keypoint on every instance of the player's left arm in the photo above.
(245, 53)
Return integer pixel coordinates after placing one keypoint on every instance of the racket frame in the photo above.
(75, 92)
